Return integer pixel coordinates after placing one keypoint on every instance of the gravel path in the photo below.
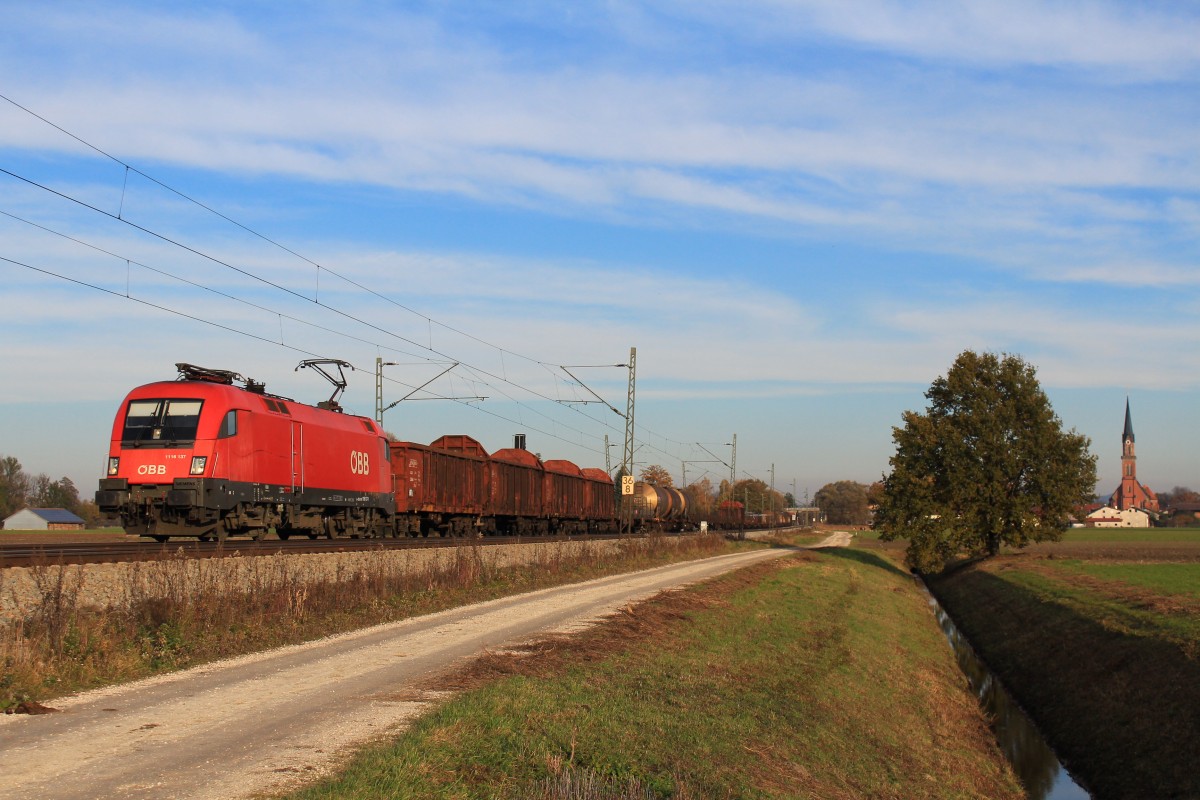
(271, 720)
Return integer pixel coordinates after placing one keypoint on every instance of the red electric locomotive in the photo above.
(202, 457)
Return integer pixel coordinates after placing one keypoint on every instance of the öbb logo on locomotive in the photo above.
(360, 463)
(251, 462)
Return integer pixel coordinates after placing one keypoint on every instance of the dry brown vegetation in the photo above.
(183, 611)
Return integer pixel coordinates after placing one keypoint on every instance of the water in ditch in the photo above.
(1039, 769)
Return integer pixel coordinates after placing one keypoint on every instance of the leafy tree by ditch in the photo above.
(987, 464)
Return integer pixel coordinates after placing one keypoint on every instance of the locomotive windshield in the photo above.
(161, 423)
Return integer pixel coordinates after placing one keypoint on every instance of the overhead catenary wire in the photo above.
(164, 308)
(291, 292)
(318, 266)
(119, 217)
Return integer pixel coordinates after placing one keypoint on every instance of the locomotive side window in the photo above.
(277, 406)
(228, 425)
(161, 423)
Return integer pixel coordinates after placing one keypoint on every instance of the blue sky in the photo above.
(798, 211)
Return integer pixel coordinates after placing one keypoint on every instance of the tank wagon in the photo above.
(663, 508)
(203, 457)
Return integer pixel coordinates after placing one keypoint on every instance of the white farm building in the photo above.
(1109, 517)
(43, 519)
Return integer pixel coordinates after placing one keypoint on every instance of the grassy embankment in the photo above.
(185, 611)
(821, 676)
(1098, 637)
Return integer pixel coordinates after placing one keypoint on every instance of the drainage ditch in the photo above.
(1040, 771)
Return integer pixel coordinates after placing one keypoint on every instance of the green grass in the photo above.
(1133, 613)
(1166, 579)
(821, 676)
(1184, 535)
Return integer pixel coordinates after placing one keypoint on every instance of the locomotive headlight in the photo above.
(113, 465)
(198, 464)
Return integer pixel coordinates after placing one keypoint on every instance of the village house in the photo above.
(1109, 517)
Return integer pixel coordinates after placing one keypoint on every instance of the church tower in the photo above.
(1131, 494)
(1129, 482)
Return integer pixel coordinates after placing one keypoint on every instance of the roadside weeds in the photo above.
(184, 611)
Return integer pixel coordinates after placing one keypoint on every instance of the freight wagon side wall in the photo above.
(516, 484)
(600, 494)
(564, 490)
(408, 476)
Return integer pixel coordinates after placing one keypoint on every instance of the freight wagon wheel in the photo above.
(159, 537)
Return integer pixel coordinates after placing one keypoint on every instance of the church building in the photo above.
(1131, 494)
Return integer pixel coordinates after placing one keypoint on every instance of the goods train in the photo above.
(203, 457)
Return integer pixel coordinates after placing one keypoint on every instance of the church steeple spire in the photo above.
(1128, 434)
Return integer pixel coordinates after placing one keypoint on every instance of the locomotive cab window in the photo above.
(161, 423)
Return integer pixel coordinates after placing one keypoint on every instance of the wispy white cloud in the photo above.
(1154, 40)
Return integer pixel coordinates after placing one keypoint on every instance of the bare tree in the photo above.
(656, 475)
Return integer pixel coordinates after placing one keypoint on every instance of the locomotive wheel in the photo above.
(215, 532)
(159, 537)
(283, 535)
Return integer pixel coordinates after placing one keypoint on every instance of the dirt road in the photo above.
(264, 721)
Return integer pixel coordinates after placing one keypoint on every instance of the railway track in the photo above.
(26, 554)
